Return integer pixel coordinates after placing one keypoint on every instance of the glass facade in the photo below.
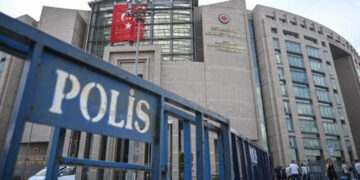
(296, 60)
(293, 47)
(313, 52)
(170, 26)
(301, 91)
(326, 111)
(323, 95)
(298, 75)
(319, 80)
(293, 146)
(307, 124)
(330, 127)
(316, 65)
(304, 107)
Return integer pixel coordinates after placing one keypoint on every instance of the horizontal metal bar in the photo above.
(70, 52)
(211, 127)
(178, 113)
(103, 164)
(241, 136)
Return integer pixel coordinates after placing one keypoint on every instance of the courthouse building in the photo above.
(286, 82)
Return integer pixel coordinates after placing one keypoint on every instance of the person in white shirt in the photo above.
(304, 171)
(294, 170)
(346, 171)
(357, 168)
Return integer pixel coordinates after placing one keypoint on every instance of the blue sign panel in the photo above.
(331, 150)
(69, 95)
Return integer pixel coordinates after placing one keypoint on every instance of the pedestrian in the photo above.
(304, 171)
(288, 173)
(294, 170)
(346, 170)
(278, 172)
(357, 169)
(283, 173)
(330, 167)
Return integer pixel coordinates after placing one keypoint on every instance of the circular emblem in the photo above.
(224, 18)
(36, 150)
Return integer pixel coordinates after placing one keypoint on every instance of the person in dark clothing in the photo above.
(278, 172)
(330, 167)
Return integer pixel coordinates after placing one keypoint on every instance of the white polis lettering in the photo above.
(84, 102)
(59, 96)
(59, 90)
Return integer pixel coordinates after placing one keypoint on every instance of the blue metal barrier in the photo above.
(46, 97)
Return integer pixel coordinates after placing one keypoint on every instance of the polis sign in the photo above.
(224, 18)
(67, 95)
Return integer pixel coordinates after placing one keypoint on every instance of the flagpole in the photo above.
(138, 20)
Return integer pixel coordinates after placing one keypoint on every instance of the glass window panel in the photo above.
(308, 126)
(292, 141)
(323, 95)
(296, 60)
(165, 46)
(283, 88)
(326, 111)
(281, 73)
(161, 31)
(298, 75)
(312, 152)
(182, 30)
(337, 98)
(182, 46)
(301, 91)
(287, 107)
(293, 47)
(162, 16)
(182, 58)
(278, 57)
(304, 107)
(311, 143)
(334, 142)
(327, 56)
(181, 15)
(345, 130)
(319, 80)
(313, 52)
(330, 128)
(276, 43)
(341, 113)
(316, 65)
(289, 123)
(333, 84)
(330, 69)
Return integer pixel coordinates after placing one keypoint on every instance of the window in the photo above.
(274, 30)
(276, 43)
(334, 142)
(326, 111)
(307, 124)
(287, 107)
(313, 40)
(330, 128)
(293, 151)
(337, 98)
(319, 80)
(311, 143)
(301, 91)
(270, 17)
(281, 73)
(293, 23)
(313, 52)
(289, 123)
(2, 62)
(327, 56)
(282, 20)
(296, 60)
(345, 130)
(323, 95)
(323, 43)
(341, 113)
(293, 47)
(303, 26)
(330, 69)
(333, 84)
(298, 75)
(283, 88)
(278, 57)
(304, 107)
(291, 34)
(316, 65)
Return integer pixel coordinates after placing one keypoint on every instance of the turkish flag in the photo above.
(124, 27)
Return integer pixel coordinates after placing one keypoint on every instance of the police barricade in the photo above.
(65, 88)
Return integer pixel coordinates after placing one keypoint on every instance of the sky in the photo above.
(342, 16)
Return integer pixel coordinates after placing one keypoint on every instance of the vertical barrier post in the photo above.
(226, 135)
(57, 145)
(187, 150)
(235, 156)
(243, 160)
(17, 122)
(248, 160)
(157, 145)
(207, 155)
(164, 147)
(199, 146)
(221, 156)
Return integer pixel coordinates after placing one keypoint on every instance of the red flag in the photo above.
(124, 27)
